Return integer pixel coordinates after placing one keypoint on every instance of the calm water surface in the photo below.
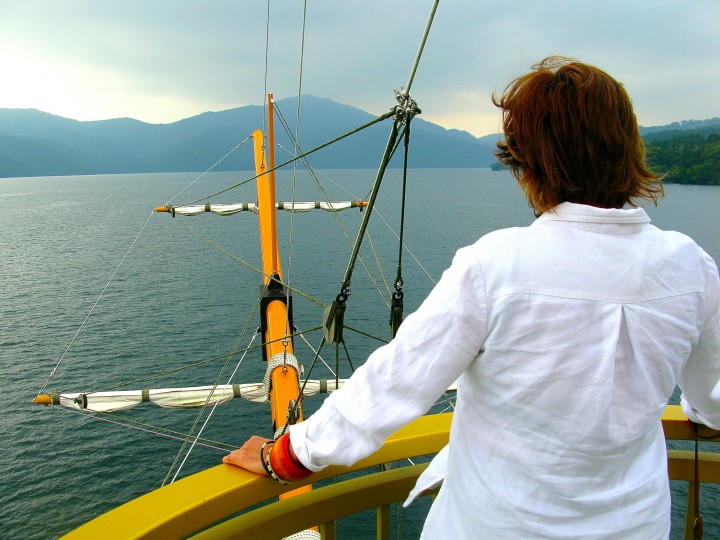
(177, 300)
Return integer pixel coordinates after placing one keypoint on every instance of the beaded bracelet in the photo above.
(263, 455)
(267, 463)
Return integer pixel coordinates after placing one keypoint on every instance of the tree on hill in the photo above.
(685, 157)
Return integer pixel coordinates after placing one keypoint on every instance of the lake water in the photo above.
(177, 300)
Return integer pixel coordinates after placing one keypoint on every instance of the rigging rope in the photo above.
(311, 171)
(307, 343)
(267, 49)
(428, 25)
(402, 115)
(396, 309)
(305, 154)
(208, 361)
(246, 139)
(52, 373)
(217, 380)
(294, 177)
(255, 268)
(207, 419)
(153, 430)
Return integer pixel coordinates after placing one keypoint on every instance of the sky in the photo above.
(160, 61)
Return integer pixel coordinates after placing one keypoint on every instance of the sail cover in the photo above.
(219, 209)
(180, 398)
(230, 209)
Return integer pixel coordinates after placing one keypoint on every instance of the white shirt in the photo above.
(569, 337)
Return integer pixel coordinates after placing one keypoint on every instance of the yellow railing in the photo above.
(207, 498)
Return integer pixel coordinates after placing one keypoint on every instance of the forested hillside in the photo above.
(686, 156)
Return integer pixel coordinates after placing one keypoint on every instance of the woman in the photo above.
(568, 338)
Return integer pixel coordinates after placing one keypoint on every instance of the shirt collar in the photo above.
(610, 220)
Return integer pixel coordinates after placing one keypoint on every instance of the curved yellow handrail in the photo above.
(323, 505)
(201, 500)
(193, 503)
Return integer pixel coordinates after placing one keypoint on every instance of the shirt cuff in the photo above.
(698, 418)
(298, 437)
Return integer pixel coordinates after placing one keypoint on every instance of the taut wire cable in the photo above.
(289, 161)
(428, 25)
(207, 419)
(52, 373)
(210, 168)
(153, 430)
(267, 49)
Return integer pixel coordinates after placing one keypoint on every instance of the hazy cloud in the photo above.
(161, 61)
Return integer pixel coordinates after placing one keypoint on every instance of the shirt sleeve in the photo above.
(401, 380)
(700, 377)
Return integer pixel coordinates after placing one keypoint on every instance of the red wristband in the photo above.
(283, 464)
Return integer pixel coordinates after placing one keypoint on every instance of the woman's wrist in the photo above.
(281, 463)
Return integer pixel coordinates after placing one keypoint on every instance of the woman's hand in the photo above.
(248, 455)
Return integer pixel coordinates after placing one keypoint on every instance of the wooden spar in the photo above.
(284, 378)
(266, 200)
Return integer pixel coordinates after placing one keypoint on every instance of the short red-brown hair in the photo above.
(571, 135)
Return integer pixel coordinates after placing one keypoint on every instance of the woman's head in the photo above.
(571, 136)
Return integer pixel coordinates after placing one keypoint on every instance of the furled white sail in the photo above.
(180, 398)
(336, 206)
(229, 209)
(219, 209)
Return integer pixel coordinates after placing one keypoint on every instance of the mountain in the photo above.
(704, 126)
(35, 143)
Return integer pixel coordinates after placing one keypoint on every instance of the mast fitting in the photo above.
(407, 107)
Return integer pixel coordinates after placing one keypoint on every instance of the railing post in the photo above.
(327, 530)
(382, 523)
(690, 512)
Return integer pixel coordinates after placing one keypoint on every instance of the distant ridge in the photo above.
(35, 143)
(710, 125)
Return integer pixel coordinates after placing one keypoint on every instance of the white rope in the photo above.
(406, 248)
(315, 353)
(52, 373)
(96, 416)
(294, 175)
(307, 534)
(358, 197)
(210, 168)
(202, 428)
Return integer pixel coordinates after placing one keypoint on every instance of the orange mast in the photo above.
(283, 368)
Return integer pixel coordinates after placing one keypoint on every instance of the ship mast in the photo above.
(282, 373)
(284, 380)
